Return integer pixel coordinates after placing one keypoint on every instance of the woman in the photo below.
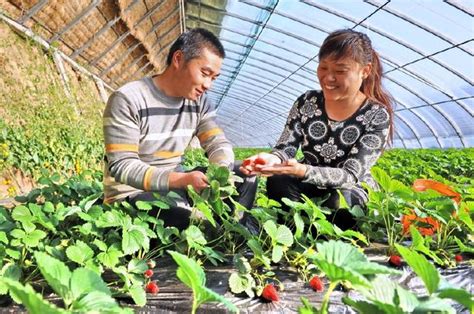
(342, 130)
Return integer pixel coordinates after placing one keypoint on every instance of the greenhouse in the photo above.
(253, 156)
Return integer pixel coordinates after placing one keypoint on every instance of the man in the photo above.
(148, 124)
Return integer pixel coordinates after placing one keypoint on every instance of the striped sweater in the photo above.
(146, 133)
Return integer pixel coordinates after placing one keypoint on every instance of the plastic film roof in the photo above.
(426, 49)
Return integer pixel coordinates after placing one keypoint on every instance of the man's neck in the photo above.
(165, 82)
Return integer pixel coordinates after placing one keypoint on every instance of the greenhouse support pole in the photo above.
(58, 61)
(29, 33)
(182, 16)
(102, 92)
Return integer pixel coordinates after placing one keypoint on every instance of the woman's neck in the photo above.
(342, 109)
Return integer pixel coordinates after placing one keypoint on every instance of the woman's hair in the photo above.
(357, 46)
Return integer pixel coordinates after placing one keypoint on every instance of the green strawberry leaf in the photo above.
(137, 266)
(284, 236)
(369, 268)
(94, 301)
(111, 218)
(207, 295)
(100, 245)
(339, 253)
(340, 273)
(463, 247)
(15, 254)
(420, 265)
(80, 252)
(365, 306)
(307, 307)
(3, 237)
(434, 305)
(18, 233)
(459, 295)
(141, 205)
(407, 300)
(352, 234)
(138, 295)
(194, 237)
(299, 224)
(22, 214)
(192, 275)
(206, 211)
(238, 283)
(277, 253)
(56, 273)
(271, 229)
(84, 281)
(242, 264)
(29, 298)
(134, 239)
(110, 258)
(11, 271)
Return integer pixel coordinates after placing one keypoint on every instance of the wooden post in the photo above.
(102, 92)
(58, 60)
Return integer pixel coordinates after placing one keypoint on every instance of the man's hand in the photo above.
(252, 165)
(290, 167)
(180, 180)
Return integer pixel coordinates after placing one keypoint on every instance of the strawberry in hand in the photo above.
(246, 162)
(260, 161)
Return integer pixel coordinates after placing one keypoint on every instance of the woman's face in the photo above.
(340, 79)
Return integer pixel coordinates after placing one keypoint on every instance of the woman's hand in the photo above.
(290, 167)
(252, 165)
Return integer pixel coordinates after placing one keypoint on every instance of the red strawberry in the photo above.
(395, 260)
(148, 273)
(316, 284)
(152, 287)
(269, 293)
(458, 258)
(246, 163)
(260, 161)
(151, 264)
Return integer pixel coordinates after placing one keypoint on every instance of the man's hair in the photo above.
(193, 41)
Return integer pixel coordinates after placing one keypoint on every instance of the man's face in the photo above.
(196, 75)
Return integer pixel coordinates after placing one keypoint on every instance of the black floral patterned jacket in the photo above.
(339, 153)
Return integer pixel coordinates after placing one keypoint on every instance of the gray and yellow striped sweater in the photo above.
(146, 133)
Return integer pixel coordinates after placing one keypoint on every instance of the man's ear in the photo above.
(178, 59)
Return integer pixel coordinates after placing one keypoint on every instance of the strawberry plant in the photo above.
(341, 262)
(385, 208)
(242, 280)
(81, 290)
(192, 275)
(386, 296)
